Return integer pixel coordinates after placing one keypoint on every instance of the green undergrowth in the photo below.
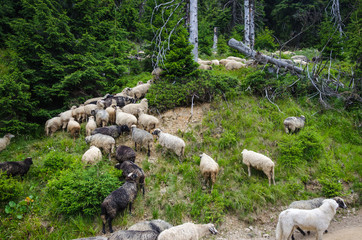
(65, 195)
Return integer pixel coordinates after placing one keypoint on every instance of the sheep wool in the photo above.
(112, 113)
(65, 116)
(260, 162)
(123, 118)
(73, 127)
(234, 65)
(141, 137)
(205, 67)
(171, 142)
(92, 155)
(128, 167)
(188, 231)
(133, 108)
(125, 153)
(114, 131)
(294, 124)
(16, 168)
(156, 225)
(148, 122)
(317, 219)
(134, 235)
(52, 125)
(209, 169)
(91, 125)
(105, 142)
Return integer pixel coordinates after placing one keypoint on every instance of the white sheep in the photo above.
(294, 124)
(79, 113)
(92, 155)
(91, 125)
(112, 113)
(205, 67)
(215, 62)
(101, 116)
(133, 107)
(189, 231)
(237, 59)
(65, 116)
(52, 125)
(171, 142)
(260, 162)
(123, 118)
(148, 122)
(142, 137)
(88, 109)
(4, 141)
(225, 61)
(209, 169)
(234, 65)
(138, 91)
(317, 219)
(73, 127)
(105, 142)
(204, 62)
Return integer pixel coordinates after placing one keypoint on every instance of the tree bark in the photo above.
(241, 47)
(214, 46)
(246, 23)
(194, 28)
(252, 25)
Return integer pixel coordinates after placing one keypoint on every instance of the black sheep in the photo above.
(125, 153)
(16, 168)
(113, 131)
(121, 101)
(118, 200)
(130, 167)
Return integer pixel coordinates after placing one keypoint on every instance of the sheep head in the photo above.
(156, 132)
(9, 136)
(212, 229)
(28, 161)
(340, 202)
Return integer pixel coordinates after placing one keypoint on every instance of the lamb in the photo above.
(157, 225)
(148, 122)
(134, 235)
(171, 142)
(141, 137)
(311, 204)
(209, 169)
(188, 231)
(139, 91)
(16, 168)
(118, 200)
(125, 153)
(128, 167)
(91, 125)
(101, 116)
(233, 65)
(73, 127)
(92, 155)
(294, 124)
(205, 67)
(79, 113)
(260, 162)
(133, 107)
(114, 130)
(111, 110)
(123, 118)
(317, 219)
(52, 125)
(65, 116)
(105, 142)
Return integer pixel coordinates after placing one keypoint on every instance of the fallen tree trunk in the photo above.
(257, 56)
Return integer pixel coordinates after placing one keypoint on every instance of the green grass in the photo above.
(327, 151)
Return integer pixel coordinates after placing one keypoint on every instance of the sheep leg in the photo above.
(301, 231)
(110, 224)
(135, 146)
(249, 173)
(149, 151)
(130, 208)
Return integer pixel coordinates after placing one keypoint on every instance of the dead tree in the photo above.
(249, 34)
(194, 28)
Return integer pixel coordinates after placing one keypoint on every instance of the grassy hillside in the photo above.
(59, 197)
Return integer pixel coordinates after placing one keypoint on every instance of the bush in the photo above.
(81, 190)
(164, 95)
(264, 40)
(10, 189)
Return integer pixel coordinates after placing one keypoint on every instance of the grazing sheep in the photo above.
(120, 101)
(188, 231)
(118, 200)
(128, 167)
(205, 67)
(94, 100)
(101, 116)
(237, 59)
(123, 118)
(138, 91)
(73, 127)
(311, 204)
(92, 238)
(171, 142)
(294, 124)
(134, 235)
(233, 65)
(300, 57)
(204, 62)
(65, 116)
(209, 169)
(105, 142)
(92, 155)
(141, 137)
(125, 153)
(148, 122)
(53, 125)
(215, 62)
(16, 168)
(317, 219)
(157, 225)
(88, 109)
(79, 113)
(4, 141)
(156, 73)
(133, 107)
(260, 162)
(91, 125)
(114, 131)
(112, 113)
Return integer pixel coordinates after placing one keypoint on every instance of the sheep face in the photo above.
(124, 128)
(9, 135)
(212, 229)
(340, 202)
(131, 177)
(157, 132)
(28, 161)
(88, 139)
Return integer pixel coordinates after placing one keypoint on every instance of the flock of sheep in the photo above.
(111, 116)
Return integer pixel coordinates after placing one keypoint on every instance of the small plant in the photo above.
(9, 188)
(18, 210)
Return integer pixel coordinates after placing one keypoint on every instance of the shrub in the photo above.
(264, 40)
(10, 189)
(81, 190)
